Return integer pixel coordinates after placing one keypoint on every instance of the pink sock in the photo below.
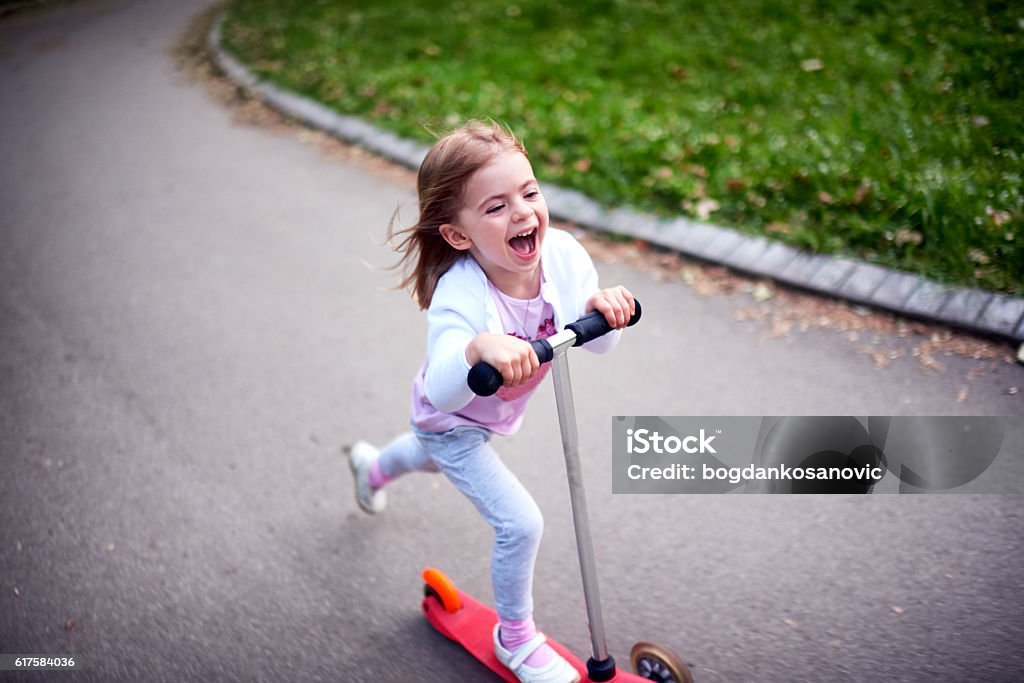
(377, 478)
(515, 632)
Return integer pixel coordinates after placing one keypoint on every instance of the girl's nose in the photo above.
(520, 211)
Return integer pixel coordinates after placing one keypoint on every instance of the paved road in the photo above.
(188, 333)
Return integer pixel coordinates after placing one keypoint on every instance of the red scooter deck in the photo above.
(472, 626)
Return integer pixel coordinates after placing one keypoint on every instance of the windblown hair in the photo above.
(441, 183)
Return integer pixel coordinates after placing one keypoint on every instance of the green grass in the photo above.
(892, 132)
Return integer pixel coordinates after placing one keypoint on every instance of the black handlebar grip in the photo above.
(594, 325)
(485, 380)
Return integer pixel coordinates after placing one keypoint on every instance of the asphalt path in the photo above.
(193, 322)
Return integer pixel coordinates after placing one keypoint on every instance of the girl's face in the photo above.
(502, 223)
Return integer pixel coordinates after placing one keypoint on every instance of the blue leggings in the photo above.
(465, 456)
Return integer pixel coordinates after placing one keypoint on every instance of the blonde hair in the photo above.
(440, 185)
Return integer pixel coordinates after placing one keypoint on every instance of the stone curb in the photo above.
(862, 283)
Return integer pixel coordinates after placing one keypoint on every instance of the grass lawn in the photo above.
(892, 132)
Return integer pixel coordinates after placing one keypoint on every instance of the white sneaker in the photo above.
(556, 671)
(361, 457)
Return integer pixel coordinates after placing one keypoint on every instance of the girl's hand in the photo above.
(616, 303)
(514, 358)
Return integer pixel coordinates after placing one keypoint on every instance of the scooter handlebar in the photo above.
(485, 380)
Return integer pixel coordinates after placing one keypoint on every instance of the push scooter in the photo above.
(460, 617)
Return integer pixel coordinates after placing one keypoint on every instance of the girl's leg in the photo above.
(404, 454)
(467, 459)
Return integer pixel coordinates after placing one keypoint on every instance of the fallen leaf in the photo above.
(977, 371)
(863, 190)
(880, 359)
(17, 592)
(751, 313)
(706, 207)
(962, 396)
(927, 361)
(696, 169)
(907, 236)
(781, 327)
(70, 624)
(790, 623)
(998, 217)
(763, 292)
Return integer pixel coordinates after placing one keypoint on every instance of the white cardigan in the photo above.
(462, 307)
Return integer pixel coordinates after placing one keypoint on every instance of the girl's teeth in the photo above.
(523, 243)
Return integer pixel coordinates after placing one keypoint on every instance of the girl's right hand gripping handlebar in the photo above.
(485, 380)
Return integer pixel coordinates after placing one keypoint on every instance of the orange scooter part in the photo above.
(439, 582)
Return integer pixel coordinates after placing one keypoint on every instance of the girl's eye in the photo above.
(496, 208)
(532, 194)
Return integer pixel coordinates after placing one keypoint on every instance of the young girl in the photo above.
(492, 275)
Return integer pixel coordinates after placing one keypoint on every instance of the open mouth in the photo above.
(525, 243)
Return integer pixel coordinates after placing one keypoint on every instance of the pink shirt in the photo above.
(501, 413)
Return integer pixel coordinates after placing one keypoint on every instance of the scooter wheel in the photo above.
(656, 663)
(441, 588)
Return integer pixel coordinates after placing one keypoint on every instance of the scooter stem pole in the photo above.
(578, 500)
